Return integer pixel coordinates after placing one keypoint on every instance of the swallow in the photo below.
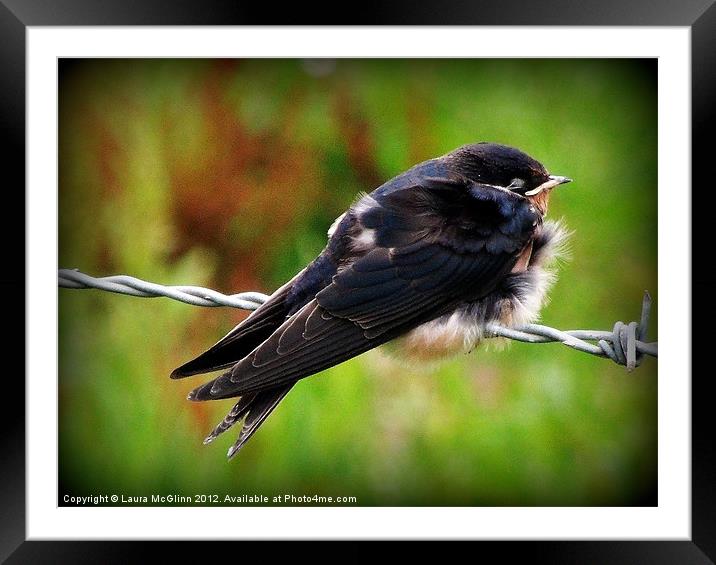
(428, 259)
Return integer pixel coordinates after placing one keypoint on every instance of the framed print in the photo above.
(218, 157)
(255, 125)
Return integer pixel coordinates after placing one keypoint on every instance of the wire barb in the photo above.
(625, 345)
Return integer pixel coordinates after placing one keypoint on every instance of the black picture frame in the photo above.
(17, 15)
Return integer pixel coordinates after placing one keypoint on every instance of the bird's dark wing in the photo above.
(240, 341)
(434, 245)
(255, 329)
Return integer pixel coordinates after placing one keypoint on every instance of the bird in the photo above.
(426, 260)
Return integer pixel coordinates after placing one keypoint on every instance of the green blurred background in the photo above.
(227, 174)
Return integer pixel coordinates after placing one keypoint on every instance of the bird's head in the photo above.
(501, 165)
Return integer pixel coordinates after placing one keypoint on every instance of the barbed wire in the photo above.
(194, 295)
(625, 344)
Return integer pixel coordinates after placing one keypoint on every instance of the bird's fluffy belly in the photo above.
(515, 302)
(449, 334)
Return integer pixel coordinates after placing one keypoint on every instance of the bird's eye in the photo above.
(516, 183)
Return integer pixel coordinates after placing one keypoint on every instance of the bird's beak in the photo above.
(553, 181)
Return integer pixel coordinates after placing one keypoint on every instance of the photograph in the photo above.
(357, 282)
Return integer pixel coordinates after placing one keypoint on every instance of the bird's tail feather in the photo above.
(253, 409)
(239, 410)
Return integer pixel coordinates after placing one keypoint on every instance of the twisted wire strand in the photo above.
(131, 286)
(625, 345)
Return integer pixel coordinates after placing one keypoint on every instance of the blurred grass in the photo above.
(227, 173)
